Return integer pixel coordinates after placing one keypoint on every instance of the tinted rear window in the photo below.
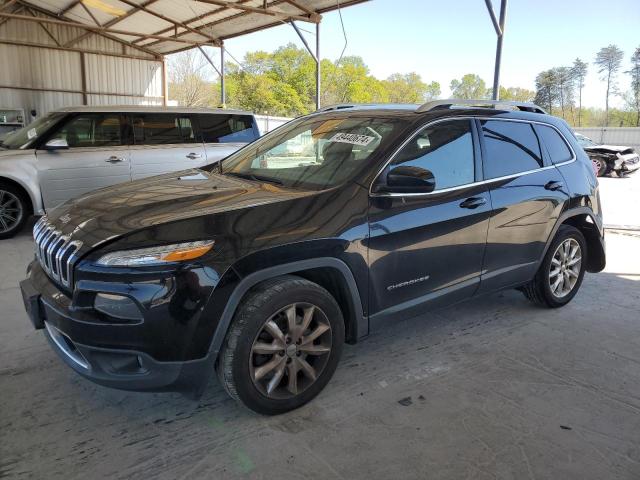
(221, 128)
(511, 147)
(556, 146)
(162, 129)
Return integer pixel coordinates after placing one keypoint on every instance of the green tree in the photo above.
(469, 87)
(283, 83)
(517, 94)
(609, 61)
(564, 85)
(633, 97)
(579, 73)
(409, 88)
(546, 91)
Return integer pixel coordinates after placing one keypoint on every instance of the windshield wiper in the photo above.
(257, 178)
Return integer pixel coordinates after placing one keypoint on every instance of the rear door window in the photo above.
(227, 128)
(557, 148)
(510, 148)
(163, 129)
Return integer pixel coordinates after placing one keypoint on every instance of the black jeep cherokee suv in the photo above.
(260, 268)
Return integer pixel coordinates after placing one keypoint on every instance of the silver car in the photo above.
(72, 151)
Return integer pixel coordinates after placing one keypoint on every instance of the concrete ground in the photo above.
(492, 388)
(621, 197)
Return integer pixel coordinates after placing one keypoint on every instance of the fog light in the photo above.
(117, 306)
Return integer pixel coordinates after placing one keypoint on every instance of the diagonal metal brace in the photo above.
(295, 27)
(209, 60)
(494, 19)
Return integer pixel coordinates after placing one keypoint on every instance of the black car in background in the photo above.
(610, 158)
(260, 268)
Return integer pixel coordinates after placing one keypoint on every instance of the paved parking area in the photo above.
(492, 388)
(622, 206)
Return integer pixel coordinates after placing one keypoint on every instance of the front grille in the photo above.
(55, 252)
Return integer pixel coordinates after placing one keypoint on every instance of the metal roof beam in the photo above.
(71, 49)
(223, 20)
(90, 13)
(69, 7)
(7, 5)
(194, 19)
(96, 28)
(46, 30)
(111, 22)
(176, 23)
(105, 35)
(299, 6)
(313, 18)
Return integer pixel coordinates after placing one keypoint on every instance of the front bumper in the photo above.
(106, 353)
(628, 163)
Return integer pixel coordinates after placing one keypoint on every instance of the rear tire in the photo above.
(14, 210)
(600, 166)
(560, 274)
(283, 345)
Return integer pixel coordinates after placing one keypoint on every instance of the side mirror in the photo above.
(410, 179)
(56, 144)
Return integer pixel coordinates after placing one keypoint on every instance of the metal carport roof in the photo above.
(161, 27)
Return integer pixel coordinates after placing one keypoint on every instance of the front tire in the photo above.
(14, 210)
(560, 275)
(283, 345)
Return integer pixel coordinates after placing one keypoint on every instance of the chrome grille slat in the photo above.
(55, 252)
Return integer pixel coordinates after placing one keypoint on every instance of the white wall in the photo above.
(267, 123)
(627, 136)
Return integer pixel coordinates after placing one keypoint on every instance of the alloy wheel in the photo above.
(10, 211)
(565, 268)
(290, 351)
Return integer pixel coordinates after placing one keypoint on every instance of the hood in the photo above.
(610, 149)
(108, 213)
(6, 153)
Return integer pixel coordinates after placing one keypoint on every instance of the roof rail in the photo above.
(452, 102)
(365, 106)
(337, 106)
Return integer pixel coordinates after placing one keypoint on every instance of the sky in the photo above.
(445, 39)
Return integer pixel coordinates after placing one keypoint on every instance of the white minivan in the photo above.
(72, 151)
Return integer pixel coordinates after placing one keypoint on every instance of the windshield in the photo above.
(313, 152)
(585, 141)
(26, 135)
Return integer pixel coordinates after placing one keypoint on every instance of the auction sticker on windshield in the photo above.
(352, 138)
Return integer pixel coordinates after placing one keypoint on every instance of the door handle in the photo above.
(553, 185)
(114, 159)
(193, 155)
(473, 202)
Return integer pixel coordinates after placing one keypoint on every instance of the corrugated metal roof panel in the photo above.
(232, 19)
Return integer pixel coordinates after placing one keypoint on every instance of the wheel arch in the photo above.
(330, 273)
(16, 184)
(584, 220)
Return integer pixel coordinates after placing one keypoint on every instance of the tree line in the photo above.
(282, 83)
(559, 88)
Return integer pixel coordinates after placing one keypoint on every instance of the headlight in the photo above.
(156, 255)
